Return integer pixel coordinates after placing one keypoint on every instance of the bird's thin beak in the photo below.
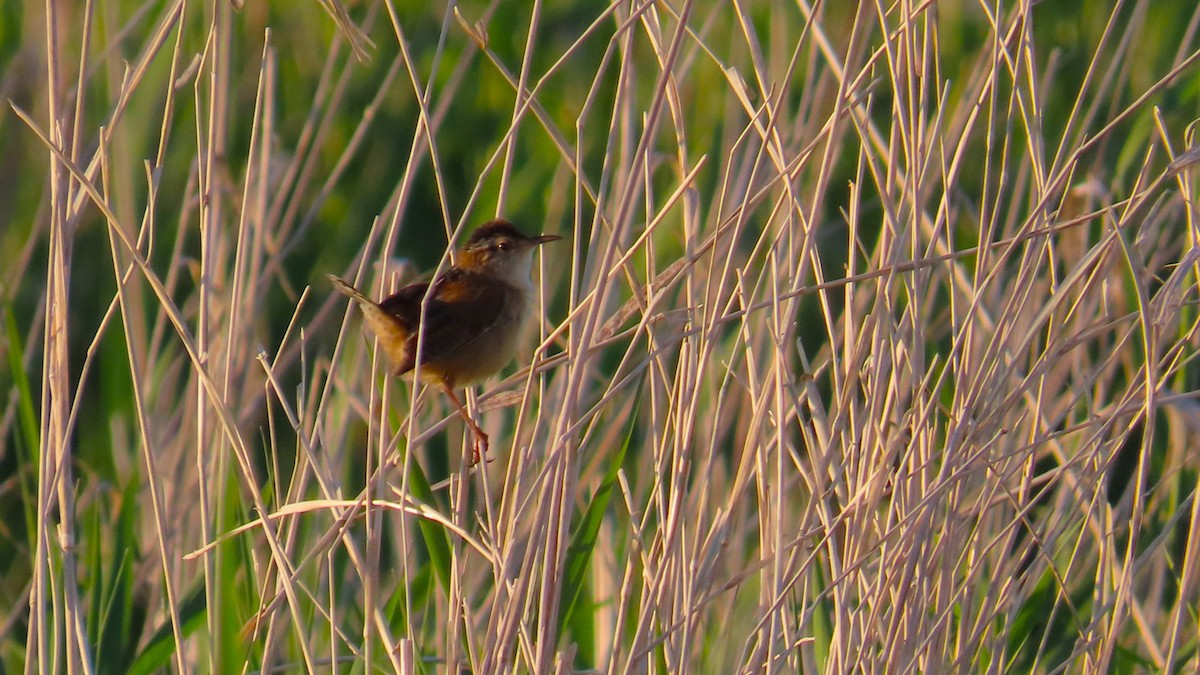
(545, 238)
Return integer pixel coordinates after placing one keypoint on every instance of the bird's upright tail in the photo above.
(349, 290)
(391, 331)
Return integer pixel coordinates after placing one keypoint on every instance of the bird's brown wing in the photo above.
(460, 311)
(405, 305)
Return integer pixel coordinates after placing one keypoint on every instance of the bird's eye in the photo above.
(502, 246)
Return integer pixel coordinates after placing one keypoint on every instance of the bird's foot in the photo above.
(481, 441)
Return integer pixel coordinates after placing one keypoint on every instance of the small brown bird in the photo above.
(473, 319)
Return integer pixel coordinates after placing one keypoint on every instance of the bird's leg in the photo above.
(481, 439)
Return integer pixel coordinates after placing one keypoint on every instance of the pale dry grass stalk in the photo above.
(901, 340)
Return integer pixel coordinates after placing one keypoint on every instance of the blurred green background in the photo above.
(340, 138)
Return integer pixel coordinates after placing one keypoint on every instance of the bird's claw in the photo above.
(481, 440)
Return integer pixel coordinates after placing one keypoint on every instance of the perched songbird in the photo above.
(473, 317)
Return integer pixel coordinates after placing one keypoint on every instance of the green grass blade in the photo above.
(27, 441)
(434, 536)
(156, 657)
(583, 541)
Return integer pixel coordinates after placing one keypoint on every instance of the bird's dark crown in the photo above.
(496, 228)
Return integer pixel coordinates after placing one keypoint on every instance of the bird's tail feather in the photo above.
(392, 334)
(349, 290)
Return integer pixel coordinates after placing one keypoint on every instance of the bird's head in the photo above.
(499, 248)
